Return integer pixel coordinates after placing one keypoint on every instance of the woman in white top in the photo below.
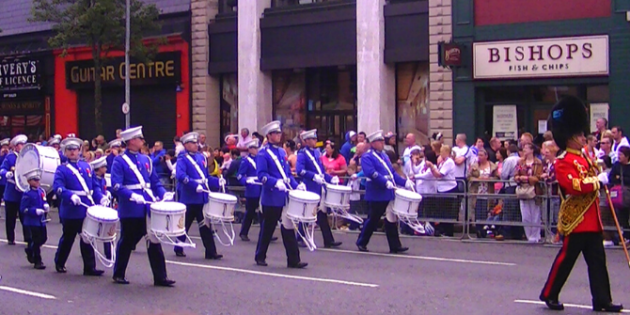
(444, 172)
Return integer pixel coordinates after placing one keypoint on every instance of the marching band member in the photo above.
(247, 177)
(73, 185)
(114, 147)
(101, 194)
(194, 183)
(309, 166)
(379, 193)
(275, 174)
(56, 144)
(12, 196)
(580, 218)
(34, 209)
(4, 152)
(135, 182)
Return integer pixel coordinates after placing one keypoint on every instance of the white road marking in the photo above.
(278, 275)
(455, 260)
(30, 293)
(565, 305)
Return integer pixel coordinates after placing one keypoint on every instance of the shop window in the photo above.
(289, 101)
(33, 126)
(229, 105)
(551, 94)
(412, 101)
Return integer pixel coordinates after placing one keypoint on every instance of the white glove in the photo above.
(199, 189)
(318, 179)
(104, 201)
(222, 181)
(76, 200)
(139, 199)
(109, 195)
(389, 185)
(409, 185)
(46, 207)
(39, 211)
(335, 180)
(281, 186)
(169, 196)
(250, 181)
(603, 177)
(354, 177)
(301, 187)
(9, 175)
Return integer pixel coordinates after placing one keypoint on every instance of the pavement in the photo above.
(436, 276)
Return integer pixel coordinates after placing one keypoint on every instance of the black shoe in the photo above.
(362, 248)
(552, 304)
(12, 243)
(120, 280)
(29, 256)
(275, 238)
(61, 269)
(333, 244)
(399, 250)
(609, 308)
(244, 238)
(215, 256)
(164, 283)
(93, 273)
(40, 266)
(261, 263)
(299, 265)
(180, 254)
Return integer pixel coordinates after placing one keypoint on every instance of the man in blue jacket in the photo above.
(379, 192)
(73, 186)
(4, 152)
(346, 148)
(194, 182)
(274, 172)
(135, 182)
(13, 196)
(247, 177)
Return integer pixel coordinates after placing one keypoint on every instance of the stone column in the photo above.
(206, 104)
(441, 79)
(254, 86)
(376, 81)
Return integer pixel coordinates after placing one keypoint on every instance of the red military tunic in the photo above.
(572, 174)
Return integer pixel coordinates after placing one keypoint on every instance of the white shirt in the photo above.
(615, 148)
(406, 157)
(448, 170)
(460, 170)
(241, 144)
(425, 181)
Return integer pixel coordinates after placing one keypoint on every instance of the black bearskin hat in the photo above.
(568, 118)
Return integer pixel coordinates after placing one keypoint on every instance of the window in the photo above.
(33, 126)
(289, 101)
(229, 105)
(227, 6)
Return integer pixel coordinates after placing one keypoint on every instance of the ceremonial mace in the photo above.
(614, 215)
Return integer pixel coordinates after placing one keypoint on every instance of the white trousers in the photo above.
(530, 212)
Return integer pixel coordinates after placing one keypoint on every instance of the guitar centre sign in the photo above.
(163, 69)
(19, 74)
(537, 58)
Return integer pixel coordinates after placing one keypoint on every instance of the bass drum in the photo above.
(34, 156)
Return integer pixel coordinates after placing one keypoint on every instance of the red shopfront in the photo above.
(160, 93)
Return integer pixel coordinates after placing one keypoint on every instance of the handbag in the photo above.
(620, 194)
(525, 191)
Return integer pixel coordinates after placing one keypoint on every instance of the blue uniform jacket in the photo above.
(307, 170)
(67, 184)
(32, 200)
(188, 179)
(110, 161)
(269, 174)
(247, 170)
(378, 176)
(11, 193)
(100, 188)
(3, 180)
(123, 177)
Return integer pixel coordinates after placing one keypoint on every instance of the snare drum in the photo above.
(220, 207)
(34, 156)
(168, 218)
(100, 223)
(406, 203)
(302, 206)
(338, 196)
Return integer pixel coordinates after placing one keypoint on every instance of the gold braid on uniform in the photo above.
(573, 207)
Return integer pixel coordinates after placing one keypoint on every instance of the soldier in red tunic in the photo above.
(579, 219)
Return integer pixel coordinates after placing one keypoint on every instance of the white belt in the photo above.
(386, 177)
(79, 192)
(252, 177)
(198, 181)
(137, 186)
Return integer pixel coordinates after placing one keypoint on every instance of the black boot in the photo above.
(552, 304)
(610, 308)
(164, 283)
(40, 266)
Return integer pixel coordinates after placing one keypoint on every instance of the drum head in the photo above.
(305, 196)
(339, 188)
(168, 207)
(28, 160)
(224, 198)
(102, 213)
(408, 195)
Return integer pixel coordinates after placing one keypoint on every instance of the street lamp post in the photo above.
(127, 79)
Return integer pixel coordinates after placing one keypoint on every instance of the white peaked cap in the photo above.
(376, 136)
(273, 126)
(132, 133)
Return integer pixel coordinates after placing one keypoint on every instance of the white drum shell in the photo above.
(303, 205)
(406, 203)
(168, 218)
(220, 207)
(102, 228)
(33, 156)
(338, 196)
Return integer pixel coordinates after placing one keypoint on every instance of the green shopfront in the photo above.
(513, 71)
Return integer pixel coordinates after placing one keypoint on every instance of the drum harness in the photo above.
(86, 191)
(319, 171)
(253, 164)
(136, 172)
